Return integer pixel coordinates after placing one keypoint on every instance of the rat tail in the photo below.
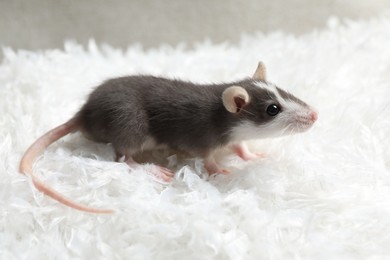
(37, 148)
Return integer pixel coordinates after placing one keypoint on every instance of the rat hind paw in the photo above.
(162, 173)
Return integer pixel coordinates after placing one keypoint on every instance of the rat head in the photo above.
(263, 110)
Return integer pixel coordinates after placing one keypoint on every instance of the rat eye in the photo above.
(273, 110)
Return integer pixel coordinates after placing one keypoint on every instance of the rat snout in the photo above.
(304, 120)
(313, 116)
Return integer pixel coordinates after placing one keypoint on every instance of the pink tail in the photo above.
(38, 148)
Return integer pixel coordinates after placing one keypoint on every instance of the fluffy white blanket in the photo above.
(324, 194)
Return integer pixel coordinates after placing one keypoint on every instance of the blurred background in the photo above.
(42, 24)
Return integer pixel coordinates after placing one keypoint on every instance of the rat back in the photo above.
(142, 112)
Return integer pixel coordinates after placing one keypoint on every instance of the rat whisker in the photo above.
(246, 111)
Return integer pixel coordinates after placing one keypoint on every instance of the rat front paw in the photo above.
(243, 152)
(252, 156)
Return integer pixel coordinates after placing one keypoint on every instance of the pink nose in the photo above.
(313, 116)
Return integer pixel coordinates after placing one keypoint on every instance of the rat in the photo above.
(142, 113)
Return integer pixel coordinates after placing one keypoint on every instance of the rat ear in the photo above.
(260, 73)
(234, 98)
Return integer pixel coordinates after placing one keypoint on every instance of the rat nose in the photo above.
(313, 116)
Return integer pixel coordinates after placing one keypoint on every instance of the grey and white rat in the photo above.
(139, 113)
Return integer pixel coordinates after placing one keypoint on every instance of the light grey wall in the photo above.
(39, 24)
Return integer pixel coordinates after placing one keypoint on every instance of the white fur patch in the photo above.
(287, 103)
